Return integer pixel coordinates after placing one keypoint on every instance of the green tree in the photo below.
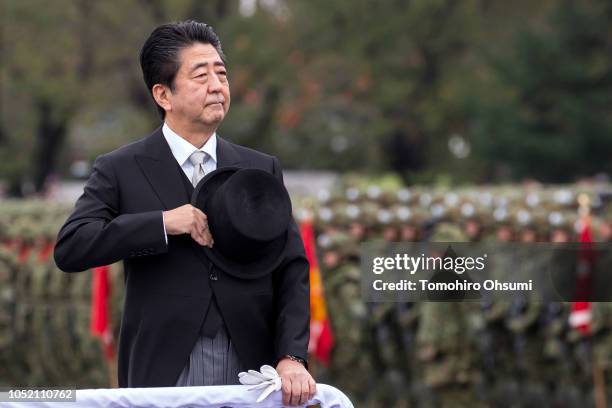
(551, 117)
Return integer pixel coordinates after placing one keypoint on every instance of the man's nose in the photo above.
(214, 84)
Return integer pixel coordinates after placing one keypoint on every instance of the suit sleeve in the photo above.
(96, 233)
(292, 286)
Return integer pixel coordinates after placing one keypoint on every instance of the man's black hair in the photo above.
(159, 54)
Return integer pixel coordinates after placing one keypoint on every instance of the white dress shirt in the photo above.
(182, 150)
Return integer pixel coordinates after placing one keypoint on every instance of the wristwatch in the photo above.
(294, 358)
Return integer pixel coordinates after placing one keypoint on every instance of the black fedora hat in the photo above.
(248, 212)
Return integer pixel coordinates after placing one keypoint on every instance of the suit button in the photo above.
(212, 276)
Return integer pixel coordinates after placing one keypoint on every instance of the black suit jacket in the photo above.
(168, 289)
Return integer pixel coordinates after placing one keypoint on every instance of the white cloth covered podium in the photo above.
(229, 396)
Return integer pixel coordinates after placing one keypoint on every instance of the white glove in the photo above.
(268, 379)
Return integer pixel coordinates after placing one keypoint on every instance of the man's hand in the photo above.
(297, 384)
(188, 220)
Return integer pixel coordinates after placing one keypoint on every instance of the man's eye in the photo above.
(201, 76)
(222, 73)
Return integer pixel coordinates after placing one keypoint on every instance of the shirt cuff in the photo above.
(164, 224)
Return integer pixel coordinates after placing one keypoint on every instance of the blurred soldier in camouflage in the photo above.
(446, 343)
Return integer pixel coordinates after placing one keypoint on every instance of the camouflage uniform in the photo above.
(446, 344)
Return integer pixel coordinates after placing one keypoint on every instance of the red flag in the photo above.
(100, 319)
(580, 316)
(321, 337)
(24, 253)
(45, 253)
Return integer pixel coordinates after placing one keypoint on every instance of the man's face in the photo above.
(331, 259)
(201, 90)
(390, 234)
(528, 235)
(606, 231)
(504, 234)
(409, 233)
(559, 236)
(472, 229)
(357, 231)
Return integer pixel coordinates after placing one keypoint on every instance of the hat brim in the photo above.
(273, 253)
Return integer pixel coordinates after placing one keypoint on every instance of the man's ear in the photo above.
(161, 96)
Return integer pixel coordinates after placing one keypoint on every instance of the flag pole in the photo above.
(600, 384)
(112, 373)
(312, 367)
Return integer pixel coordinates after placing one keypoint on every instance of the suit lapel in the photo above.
(227, 155)
(164, 174)
(162, 171)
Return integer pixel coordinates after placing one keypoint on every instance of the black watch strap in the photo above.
(294, 358)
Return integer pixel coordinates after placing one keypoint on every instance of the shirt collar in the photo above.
(182, 149)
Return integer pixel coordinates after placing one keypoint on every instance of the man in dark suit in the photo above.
(185, 322)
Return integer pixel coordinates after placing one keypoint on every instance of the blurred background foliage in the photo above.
(461, 91)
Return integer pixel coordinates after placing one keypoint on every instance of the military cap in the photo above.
(565, 221)
(448, 232)
(409, 215)
(425, 199)
(468, 210)
(404, 196)
(324, 217)
(501, 216)
(369, 214)
(373, 192)
(484, 198)
(385, 217)
(338, 242)
(438, 211)
(533, 199)
(353, 194)
(451, 199)
(565, 198)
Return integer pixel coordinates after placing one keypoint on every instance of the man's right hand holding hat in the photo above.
(188, 219)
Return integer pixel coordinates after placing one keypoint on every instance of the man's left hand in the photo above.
(297, 384)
